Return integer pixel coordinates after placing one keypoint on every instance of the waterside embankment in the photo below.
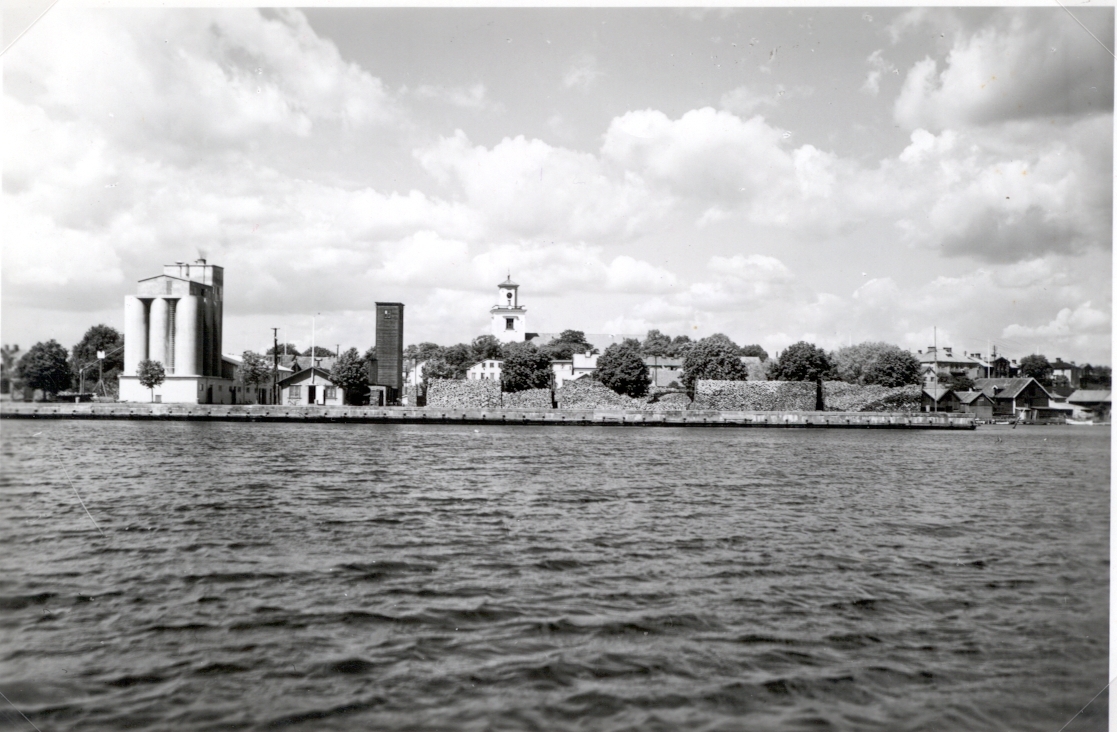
(427, 415)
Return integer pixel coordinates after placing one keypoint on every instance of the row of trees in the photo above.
(53, 369)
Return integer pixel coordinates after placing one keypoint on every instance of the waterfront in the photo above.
(316, 576)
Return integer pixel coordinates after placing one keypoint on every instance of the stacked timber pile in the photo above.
(527, 399)
(672, 402)
(900, 399)
(842, 397)
(586, 393)
(463, 394)
(754, 396)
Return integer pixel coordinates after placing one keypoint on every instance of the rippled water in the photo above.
(579, 578)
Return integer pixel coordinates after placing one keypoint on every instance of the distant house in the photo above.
(1014, 395)
(1001, 368)
(935, 360)
(1095, 404)
(489, 369)
(663, 370)
(976, 403)
(310, 386)
(1065, 374)
(257, 394)
(940, 399)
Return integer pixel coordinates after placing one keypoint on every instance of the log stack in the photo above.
(527, 399)
(463, 394)
(758, 396)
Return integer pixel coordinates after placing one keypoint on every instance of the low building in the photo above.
(487, 370)
(310, 386)
(1095, 404)
(934, 361)
(976, 403)
(1065, 374)
(663, 370)
(940, 399)
(1013, 395)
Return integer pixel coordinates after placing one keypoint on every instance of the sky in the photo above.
(836, 175)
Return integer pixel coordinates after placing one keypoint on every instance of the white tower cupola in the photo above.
(509, 318)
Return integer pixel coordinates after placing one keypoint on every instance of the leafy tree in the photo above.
(656, 343)
(151, 375)
(960, 381)
(525, 367)
(45, 367)
(486, 348)
(318, 352)
(289, 348)
(1094, 377)
(350, 373)
(438, 368)
(423, 352)
(84, 354)
(723, 338)
(713, 358)
(680, 345)
(851, 363)
(460, 357)
(566, 345)
(576, 337)
(254, 370)
(370, 356)
(754, 350)
(876, 363)
(1038, 367)
(800, 361)
(622, 369)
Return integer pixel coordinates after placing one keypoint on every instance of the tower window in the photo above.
(510, 324)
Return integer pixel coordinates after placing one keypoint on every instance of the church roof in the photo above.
(508, 282)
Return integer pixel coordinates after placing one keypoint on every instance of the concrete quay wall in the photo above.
(426, 415)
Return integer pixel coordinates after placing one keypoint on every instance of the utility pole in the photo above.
(275, 366)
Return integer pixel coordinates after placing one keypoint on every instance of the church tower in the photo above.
(509, 317)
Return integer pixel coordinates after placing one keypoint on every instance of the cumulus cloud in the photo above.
(978, 193)
(1024, 63)
(582, 72)
(471, 97)
(529, 188)
(878, 67)
(198, 77)
(1083, 321)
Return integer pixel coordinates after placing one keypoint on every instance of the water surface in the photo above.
(308, 577)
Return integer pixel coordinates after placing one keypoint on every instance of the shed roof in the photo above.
(305, 374)
(969, 397)
(1089, 396)
(1008, 388)
(938, 393)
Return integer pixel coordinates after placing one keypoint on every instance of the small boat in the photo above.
(1079, 421)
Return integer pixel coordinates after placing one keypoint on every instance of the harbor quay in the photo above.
(503, 416)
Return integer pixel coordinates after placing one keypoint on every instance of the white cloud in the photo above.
(1084, 321)
(471, 97)
(582, 73)
(1023, 63)
(879, 67)
(529, 188)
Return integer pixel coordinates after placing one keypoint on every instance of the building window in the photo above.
(294, 392)
(331, 392)
(510, 324)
